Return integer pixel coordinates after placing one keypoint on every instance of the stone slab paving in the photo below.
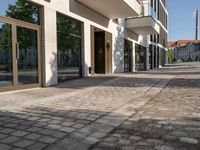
(169, 121)
(114, 112)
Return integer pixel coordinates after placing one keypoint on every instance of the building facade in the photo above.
(188, 53)
(185, 50)
(44, 42)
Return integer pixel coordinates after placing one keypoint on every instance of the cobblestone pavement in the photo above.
(143, 111)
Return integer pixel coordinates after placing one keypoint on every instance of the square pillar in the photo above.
(86, 49)
(49, 47)
(147, 58)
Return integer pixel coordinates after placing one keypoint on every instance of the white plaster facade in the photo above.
(88, 17)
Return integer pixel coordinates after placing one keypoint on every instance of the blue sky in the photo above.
(4, 5)
(181, 20)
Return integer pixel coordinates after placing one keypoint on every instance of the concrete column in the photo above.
(86, 51)
(49, 47)
(155, 57)
(147, 58)
(133, 56)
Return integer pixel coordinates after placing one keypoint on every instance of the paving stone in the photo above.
(34, 129)
(189, 140)
(124, 141)
(155, 141)
(23, 143)
(135, 138)
(47, 139)
(20, 133)
(179, 133)
(2, 136)
(22, 127)
(7, 131)
(10, 125)
(5, 147)
(99, 134)
(17, 149)
(58, 134)
(67, 124)
(78, 126)
(10, 139)
(78, 135)
(55, 121)
(170, 137)
(67, 129)
(46, 131)
(54, 126)
(34, 118)
(37, 146)
(45, 120)
(90, 140)
(33, 136)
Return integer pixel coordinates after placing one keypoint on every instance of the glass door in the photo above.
(6, 66)
(27, 56)
(20, 61)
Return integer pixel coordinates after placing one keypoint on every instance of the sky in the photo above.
(181, 19)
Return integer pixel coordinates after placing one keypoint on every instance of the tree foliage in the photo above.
(170, 55)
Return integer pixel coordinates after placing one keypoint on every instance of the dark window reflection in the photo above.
(20, 9)
(127, 56)
(140, 53)
(6, 77)
(69, 48)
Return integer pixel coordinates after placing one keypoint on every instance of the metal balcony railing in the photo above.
(149, 11)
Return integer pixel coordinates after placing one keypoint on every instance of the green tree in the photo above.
(22, 10)
(170, 55)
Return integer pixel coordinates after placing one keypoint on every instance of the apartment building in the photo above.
(185, 50)
(44, 42)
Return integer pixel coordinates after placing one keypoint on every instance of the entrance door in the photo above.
(100, 52)
(19, 54)
(127, 56)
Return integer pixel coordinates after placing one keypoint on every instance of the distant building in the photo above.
(185, 50)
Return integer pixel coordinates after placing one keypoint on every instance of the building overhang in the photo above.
(146, 25)
(114, 9)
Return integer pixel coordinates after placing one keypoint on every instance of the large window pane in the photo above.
(20, 9)
(140, 57)
(68, 25)
(69, 48)
(27, 56)
(6, 77)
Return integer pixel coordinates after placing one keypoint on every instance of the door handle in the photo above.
(17, 51)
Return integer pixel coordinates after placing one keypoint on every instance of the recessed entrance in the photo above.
(140, 57)
(19, 54)
(101, 43)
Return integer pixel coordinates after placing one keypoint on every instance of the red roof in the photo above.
(171, 44)
(181, 43)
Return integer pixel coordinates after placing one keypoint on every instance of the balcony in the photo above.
(146, 24)
(114, 9)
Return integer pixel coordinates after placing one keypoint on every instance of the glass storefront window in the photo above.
(6, 75)
(20, 9)
(140, 53)
(69, 48)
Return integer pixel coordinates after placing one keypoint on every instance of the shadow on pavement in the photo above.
(80, 129)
